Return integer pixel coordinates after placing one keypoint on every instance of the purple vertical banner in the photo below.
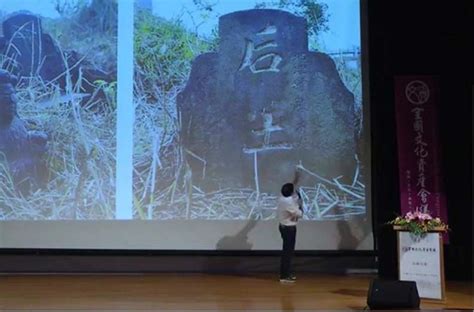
(416, 105)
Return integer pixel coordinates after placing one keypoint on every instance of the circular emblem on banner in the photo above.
(417, 92)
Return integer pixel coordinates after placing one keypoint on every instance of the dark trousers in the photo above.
(288, 235)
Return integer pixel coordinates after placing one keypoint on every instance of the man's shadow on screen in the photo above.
(347, 240)
(232, 263)
(239, 241)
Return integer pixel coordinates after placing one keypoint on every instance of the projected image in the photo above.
(57, 109)
(232, 97)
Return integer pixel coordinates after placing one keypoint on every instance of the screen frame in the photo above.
(368, 153)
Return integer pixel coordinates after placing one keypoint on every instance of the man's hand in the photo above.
(297, 177)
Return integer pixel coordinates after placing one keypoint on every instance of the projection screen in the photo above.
(173, 124)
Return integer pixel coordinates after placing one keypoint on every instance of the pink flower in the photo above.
(423, 216)
(418, 216)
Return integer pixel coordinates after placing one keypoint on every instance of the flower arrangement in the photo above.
(419, 223)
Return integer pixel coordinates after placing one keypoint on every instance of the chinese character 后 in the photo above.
(255, 53)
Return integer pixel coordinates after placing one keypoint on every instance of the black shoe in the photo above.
(287, 280)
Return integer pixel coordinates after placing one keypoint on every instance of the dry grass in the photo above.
(326, 200)
(81, 150)
(80, 157)
(163, 191)
(162, 185)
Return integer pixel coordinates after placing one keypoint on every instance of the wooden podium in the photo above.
(421, 259)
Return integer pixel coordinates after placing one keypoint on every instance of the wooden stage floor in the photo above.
(198, 292)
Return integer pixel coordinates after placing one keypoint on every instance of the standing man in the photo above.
(289, 211)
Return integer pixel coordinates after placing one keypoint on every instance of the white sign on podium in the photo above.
(420, 260)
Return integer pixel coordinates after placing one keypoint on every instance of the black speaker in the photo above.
(387, 295)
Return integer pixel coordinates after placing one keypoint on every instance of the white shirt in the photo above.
(288, 210)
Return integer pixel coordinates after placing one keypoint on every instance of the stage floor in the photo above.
(199, 291)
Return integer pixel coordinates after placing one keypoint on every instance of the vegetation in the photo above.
(164, 51)
(81, 127)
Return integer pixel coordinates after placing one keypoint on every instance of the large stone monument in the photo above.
(262, 104)
(31, 52)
